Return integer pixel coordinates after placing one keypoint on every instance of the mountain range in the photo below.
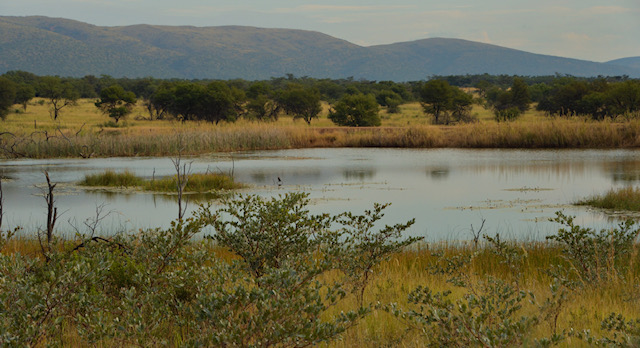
(57, 46)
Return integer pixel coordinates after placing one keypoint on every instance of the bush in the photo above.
(357, 110)
(592, 256)
(162, 287)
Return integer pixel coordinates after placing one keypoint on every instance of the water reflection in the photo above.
(623, 171)
(438, 173)
(446, 190)
(358, 174)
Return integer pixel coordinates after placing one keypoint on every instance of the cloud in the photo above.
(602, 10)
(339, 8)
(576, 37)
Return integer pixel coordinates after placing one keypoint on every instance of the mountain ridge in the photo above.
(58, 46)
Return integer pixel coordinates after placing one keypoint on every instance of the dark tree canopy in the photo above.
(60, 93)
(445, 102)
(160, 101)
(300, 102)
(508, 105)
(219, 103)
(436, 97)
(7, 96)
(24, 93)
(356, 110)
(597, 98)
(116, 102)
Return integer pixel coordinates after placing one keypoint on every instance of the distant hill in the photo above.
(55, 46)
(631, 62)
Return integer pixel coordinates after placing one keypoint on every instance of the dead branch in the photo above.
(476, 235)
(52, 211)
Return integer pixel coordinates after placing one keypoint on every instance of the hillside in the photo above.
(630, 62)
(54, 46)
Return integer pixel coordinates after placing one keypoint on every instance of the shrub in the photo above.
(592, 256)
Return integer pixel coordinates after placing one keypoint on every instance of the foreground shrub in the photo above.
(594, 256)
(161, 287)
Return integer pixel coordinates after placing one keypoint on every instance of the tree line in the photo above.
(446, 99)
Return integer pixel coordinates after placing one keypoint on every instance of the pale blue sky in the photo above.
(584, 29)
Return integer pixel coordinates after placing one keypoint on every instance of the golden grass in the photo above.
(81, 132)
(394, 279)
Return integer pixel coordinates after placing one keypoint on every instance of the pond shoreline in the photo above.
(548, 134)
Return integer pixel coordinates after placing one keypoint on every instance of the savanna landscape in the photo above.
(272, 273)
(242, 264)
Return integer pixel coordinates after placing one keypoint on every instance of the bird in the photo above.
(279, 182)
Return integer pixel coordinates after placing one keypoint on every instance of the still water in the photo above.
(445, 190)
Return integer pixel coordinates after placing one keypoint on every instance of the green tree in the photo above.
(61, 94)
(508, 105)
(219, 103)
(187, 100)
(7, 96)
(300, 102)
(116, 102)
(356, 110)
(445, 102)
(624, 98)
(390, 99)
(160, 101)
(260, 104)
(24, 93)
(435, 97)
(563, 99)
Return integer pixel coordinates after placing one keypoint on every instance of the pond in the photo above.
(447, 191)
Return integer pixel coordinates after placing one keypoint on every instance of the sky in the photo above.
(584, 29)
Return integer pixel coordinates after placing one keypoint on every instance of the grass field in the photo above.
(82, 131)
(584, 307)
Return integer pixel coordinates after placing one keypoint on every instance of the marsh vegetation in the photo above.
(259, 271)
(273, 274)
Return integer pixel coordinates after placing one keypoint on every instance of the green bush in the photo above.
(162, 287)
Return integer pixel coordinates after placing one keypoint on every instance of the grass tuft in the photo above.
(200, 183)
(627, 198)
(197, 183)
(112, 179)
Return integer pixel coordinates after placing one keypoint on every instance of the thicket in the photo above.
(163, 287)
(268, 272)
(441, 96)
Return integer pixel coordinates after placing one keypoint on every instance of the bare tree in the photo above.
(52, 216)
(183, 170)
(476, 235)
(1, 204)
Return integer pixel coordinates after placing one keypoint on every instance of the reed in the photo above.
(81, 132)
(110, 178)
(626, 198)
(197, 182)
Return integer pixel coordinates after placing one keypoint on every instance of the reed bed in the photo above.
(555, 134)
(81, 132)
(626, 198)
(197, 182)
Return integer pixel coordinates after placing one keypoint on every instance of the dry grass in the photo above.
(394, 279)
(81, 131)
